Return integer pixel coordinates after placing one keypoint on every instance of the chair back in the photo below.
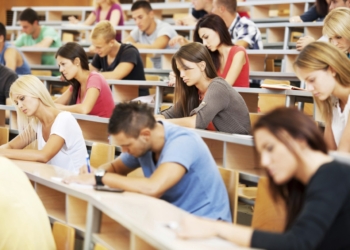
(63, 235)
(101, 153)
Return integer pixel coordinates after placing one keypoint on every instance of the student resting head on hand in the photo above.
(314, 187)
(202, 99)
(89, 92)
(55, 135)
(324, 68)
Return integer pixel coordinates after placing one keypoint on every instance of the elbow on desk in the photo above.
(152, 190)
(42, 158)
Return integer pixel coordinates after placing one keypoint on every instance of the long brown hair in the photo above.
(187, 98)
(298, 126)
(321, 56)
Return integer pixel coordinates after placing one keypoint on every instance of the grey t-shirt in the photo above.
(223, 106)
(162, 29)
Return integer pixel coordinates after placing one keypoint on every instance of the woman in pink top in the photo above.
(108, 10)
(89, 92)
(231, 61)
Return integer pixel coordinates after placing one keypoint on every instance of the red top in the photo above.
(243, 78)
(104, 104)
(244, 14)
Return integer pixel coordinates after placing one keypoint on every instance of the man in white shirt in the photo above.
(150, 32)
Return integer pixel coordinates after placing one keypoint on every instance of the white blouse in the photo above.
(72, 154)
(340, 119)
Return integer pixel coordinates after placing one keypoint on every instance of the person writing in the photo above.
(89, 92)
(176, 163)
(328, 78)
(56, 135)
(314, 187)
(202, 99)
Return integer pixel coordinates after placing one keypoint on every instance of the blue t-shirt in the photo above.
(201, 190)
(24, 69)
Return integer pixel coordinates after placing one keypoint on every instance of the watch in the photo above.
(98, 176)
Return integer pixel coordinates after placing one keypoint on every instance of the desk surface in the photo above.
(141, 215)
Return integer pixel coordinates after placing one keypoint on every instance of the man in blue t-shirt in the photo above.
(177, 165)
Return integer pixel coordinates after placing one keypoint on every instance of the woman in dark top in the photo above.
(202, 99)
(315, 188)
(316, 13)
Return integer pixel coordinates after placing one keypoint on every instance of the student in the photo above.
(10, 56)
(242, 30)
(314, 187)
(114, 60)
(305, 40)
(176, 163)
(327, 76)
(150, 33)
(202, 99)
(336, 28)
(212, 32)
(89, 92)
(24, 221)
(199, 10)
(58, 136)
(7, 77)
(36, 35)
(109, 10)
(316, 13)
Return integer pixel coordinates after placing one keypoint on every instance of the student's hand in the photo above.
(195, 227)
(84, 170)
(73, 20)
(159, 117)
(303, 41)
(62, 79)
(172, 79)
(178, 40)
(81, 179)
(295, 19)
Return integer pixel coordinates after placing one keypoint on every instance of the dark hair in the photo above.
(130, 118)
(187, 98)
(213, 22)
(3, 30)
(141, 5)
(71, 51)
(230, 5)
(322, 7)
(298, 126)
(29, 15)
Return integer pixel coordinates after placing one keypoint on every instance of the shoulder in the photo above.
(174, 132)
(244, 22)
(219, 83)
(237, 48)
(128, 48)
(331, 173)
(63, 118)
(116, 6)
(94, 76)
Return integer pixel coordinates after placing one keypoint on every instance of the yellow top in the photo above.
(24, 221)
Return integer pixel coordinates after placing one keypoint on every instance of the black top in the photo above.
(7, 77)
(311, 15)
(126, 53)
(198, 13)
(324, 221)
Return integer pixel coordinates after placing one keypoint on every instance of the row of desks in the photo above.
(115, 220)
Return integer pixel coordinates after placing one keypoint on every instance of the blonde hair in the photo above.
(110, 2)
(104, 29)
(337, 23)
(29, 85)
(321, 56)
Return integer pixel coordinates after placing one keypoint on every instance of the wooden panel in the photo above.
(268, 102)
(136, 243)
(76, 212)
(94, 131)
(251, 100)
(124, 93)
(256, 62)
(53, 201)
(275, 35)
(240, 157)
(33, 57)
(2, 118)
(268, 214)
(4, 135)
(216, 148)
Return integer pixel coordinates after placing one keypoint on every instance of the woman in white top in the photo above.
(326, 72)
(59, 141)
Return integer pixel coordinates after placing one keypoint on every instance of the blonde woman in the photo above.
(336, 28)
(325, 69)
(109, 10)
(59, 138)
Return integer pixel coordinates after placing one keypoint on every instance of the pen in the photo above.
(88, 163)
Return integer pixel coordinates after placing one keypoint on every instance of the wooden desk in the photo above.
(115, 220)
